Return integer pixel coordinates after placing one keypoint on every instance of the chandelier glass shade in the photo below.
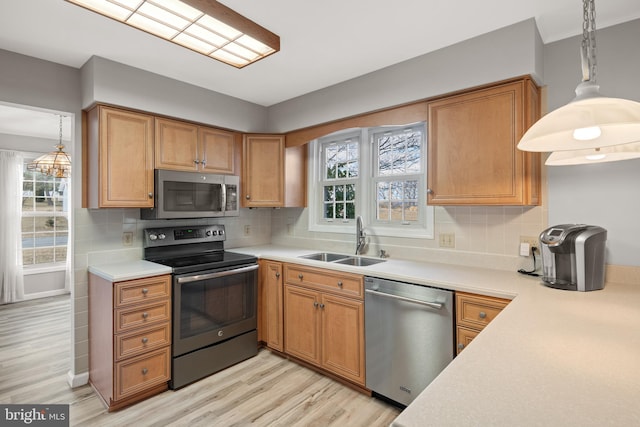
(56, 163)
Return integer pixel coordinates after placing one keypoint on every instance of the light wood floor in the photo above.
(266, 390)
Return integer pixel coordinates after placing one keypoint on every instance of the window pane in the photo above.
(28, 224)
(350, 210)
(331, 151)
(62, 223)
(61, 253)
(329, 193)
(399, 152)
(410, 211)
(328, 211)
(414, 153)
(396, 211)
(339, 193)
(411, 190)
(383, 210)
(28, 256)
(340, 210)
(350, 192)
(397, 190)
(44, 255)
(28, 240)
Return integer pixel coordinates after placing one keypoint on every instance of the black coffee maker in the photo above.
(573, 257)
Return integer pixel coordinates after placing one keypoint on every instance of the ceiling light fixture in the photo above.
(204, 26)
(591, 128)
(56, 163)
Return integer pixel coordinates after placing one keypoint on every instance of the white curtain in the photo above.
(11, 280)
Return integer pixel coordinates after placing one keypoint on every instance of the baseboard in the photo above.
(77, 380)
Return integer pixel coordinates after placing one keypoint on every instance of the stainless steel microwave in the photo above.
(193, 195)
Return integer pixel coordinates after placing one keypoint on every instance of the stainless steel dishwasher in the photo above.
(409, 337)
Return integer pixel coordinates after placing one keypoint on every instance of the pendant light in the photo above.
(56, 163)
(591, 128)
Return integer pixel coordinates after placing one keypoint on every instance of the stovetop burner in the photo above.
(191, 249)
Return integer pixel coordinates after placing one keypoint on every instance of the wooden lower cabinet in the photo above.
(270, 328)
(129, 338)
(473, 313)
(324, 324)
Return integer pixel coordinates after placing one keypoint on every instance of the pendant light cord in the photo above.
(588, 53)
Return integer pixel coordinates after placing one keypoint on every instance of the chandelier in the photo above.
(55, 163)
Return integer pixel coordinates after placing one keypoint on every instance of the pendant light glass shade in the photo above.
(591, 128)
(590, 121)
(595, 155)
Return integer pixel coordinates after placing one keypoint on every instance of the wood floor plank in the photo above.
(266, 390)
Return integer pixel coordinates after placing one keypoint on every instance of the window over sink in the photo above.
(377, 173)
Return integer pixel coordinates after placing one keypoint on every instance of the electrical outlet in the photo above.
(447, 240)
(531, 241)
(247, 230)
(127, 238)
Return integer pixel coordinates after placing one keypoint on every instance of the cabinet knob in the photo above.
(145, 340)
(145, 315)
(144, 371)
(277, 274)
(429, 191)
(196, 161)
(247, 197)
(315, 304)
(482, 314)
(340, 284)
(460, 346)
(300, 276)
(151, 195)
(322, 306)
(145, 291)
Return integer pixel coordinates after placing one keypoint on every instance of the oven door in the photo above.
(212, 306)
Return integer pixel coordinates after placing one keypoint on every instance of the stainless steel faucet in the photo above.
(360, 240)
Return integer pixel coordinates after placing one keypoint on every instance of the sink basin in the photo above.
(325, 256)
(359, 262)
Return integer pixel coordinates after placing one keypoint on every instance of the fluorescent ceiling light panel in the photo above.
(204, 26)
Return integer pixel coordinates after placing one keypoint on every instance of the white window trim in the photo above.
(364, 205)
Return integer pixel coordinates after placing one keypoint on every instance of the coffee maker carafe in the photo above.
(573, 257)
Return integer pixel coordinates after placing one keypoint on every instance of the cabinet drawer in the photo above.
(477, 311)
(129, 318)
(140, 290)
(325, 280)
(139, 373)
(464, 337)
(137, 342)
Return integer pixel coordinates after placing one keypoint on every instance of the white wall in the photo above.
(606, 194)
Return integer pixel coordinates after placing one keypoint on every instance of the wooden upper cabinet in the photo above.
(119, 159)
(273, 175)
(263, 171)
(184, 146)
(472, 154)
(176, 145)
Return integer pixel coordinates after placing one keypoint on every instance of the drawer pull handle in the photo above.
(145, 315)
(145, 291)
(460, 346)
(315, 304)
(144, 371)
(482, 315)
(300, 276)
(340, 284)
(145, 340)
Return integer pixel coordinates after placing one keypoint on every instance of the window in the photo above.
(45, 225)
(378, 173)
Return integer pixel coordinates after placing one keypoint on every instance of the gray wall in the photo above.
(118, 84)
(605, 194)
(508, 52)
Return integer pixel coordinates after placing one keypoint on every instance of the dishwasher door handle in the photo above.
(436, 305)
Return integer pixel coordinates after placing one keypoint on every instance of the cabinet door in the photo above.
(343, 337)
(472, 154)
(263, 170)
(176, 145)
(271, 304)
(302, 323)
(217, 150)
(125, 159)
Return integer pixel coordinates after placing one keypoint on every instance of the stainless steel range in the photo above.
(214, 299)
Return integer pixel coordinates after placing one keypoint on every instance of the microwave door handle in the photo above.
(224, 198)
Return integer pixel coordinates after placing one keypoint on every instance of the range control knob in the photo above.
(208, 233)
(221, 232)
(162, 236)
(153, 236)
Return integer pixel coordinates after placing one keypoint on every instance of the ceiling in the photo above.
(322, 42)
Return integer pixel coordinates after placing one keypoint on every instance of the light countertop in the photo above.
(551, 358)
(129, 270)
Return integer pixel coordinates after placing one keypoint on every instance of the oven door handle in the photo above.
(195, 278)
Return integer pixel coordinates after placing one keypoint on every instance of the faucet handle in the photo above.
(383, 254)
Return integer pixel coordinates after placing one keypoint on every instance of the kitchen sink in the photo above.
(325, 256)
(359, 262)
(342, 259)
